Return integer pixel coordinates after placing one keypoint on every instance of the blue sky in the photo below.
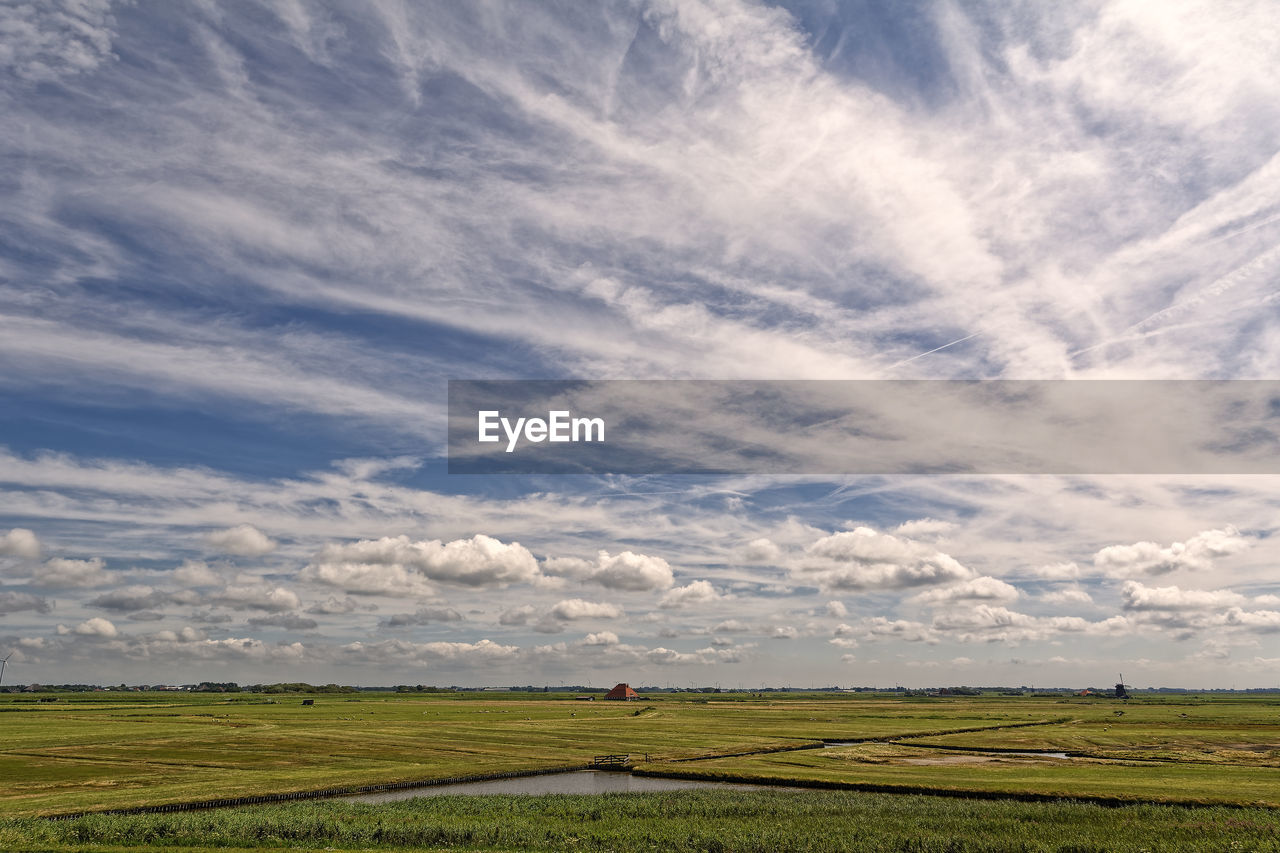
(244, 246)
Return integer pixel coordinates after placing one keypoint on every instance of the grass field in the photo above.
(102, 751)
(711, 821)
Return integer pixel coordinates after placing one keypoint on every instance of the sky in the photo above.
(244, 246)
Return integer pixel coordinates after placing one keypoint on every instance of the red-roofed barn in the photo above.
(622, 693)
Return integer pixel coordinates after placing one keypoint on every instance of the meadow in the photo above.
(1211, 762)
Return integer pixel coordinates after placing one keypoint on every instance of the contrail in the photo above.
(932, 351)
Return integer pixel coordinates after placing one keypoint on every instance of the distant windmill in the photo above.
(1121, 693)
(4, 660)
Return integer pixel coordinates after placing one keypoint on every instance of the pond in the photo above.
(572, 782)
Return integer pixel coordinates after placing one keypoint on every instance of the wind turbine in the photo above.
(4, 660)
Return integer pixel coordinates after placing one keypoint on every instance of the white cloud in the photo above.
(517, 615)
(600, 638)
(1257, 621)
(402, 652)
(692, 594)
(20, 542)
(553, 619)
(1197, 554)
(626, 571)
(576, 608)
(423, 616)
(480, 561)
(70, 574)
(1139, 597)
(243, 540)
(96, 627)
(837, 609)
(195, 573)
(880, 628)
(256, 597)
(1067, 595)
(368, 579)
(862, 559)
(761, 550)
(334, 605)
(1058, 571)
(978, 589)
(924, 528)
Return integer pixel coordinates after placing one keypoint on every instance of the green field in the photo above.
(710, 821)
(103, 751)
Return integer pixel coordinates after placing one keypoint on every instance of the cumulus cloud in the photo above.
(577, 608)
(243, 540)
(837, 609)
(924, 528)
(881, 628)
(761, 550)
(375, 565)
(334, 605)
(422, 616)
(1197, 554)
(553, 620)
(13, 602)
(1067, 595)
(626, 571)
(256, 597)
(690, 595)
(403, 652)
(368, 579)
(517, 615)
(134, 597)
(195, 573)
(70, 574)
(1058, 571)
(1256, 621)
(96, 627)
(987, 623)
(863, 559)
(978, 589)
(20, 542)
(600, 638)
(1136, 596)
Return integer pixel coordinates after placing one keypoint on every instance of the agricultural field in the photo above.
(106, 751)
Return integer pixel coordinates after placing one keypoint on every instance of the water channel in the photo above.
(572, 782)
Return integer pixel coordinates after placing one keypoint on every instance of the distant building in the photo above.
(622, 693)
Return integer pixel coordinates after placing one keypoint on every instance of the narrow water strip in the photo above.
(573, 782)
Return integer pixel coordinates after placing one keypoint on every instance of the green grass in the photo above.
(93, 752)
(680, 821)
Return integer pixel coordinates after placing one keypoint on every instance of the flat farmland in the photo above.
(102, 751)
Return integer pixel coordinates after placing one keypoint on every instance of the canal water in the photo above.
(572, 782)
